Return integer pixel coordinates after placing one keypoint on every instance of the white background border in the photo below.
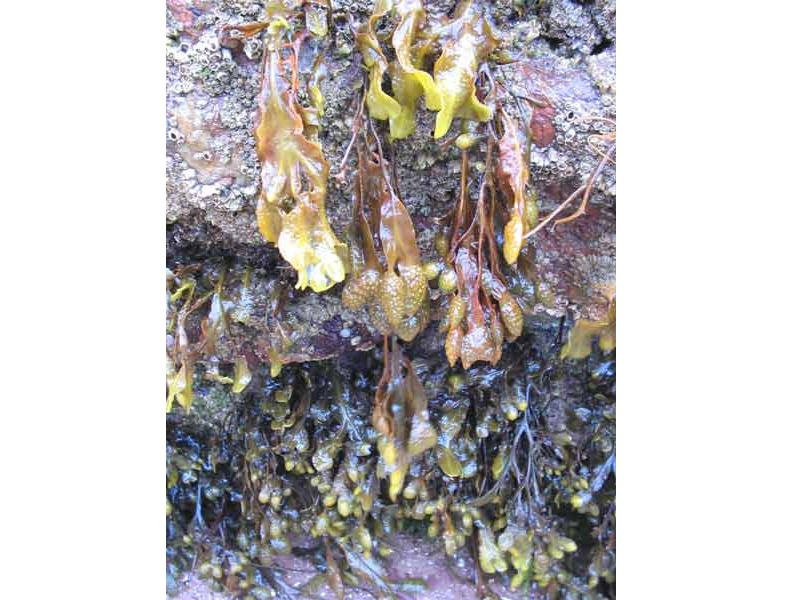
(707, 269)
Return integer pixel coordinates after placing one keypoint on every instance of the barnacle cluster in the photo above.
(199, 313)
(463, 42)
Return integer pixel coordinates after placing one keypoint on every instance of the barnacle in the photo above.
(469, 39)
(291, 206)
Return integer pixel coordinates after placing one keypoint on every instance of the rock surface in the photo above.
(564, 53)
(413, 558)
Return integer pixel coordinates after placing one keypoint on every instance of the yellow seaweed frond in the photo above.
(579, 342)
(308, 243)
(400, 288)
(380, 104)
(513, 175)
(468, 40)
(471, 40)
(180, 386)
(400, 416)
(291, 207)
(409, 82)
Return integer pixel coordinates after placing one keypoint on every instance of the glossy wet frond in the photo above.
(468, 40)
(184, 352)
(487, 456)
(400, 416)
(398, 284)
(584, 332)
(513, 175)
(409, 80)
(381, 105)
(294, 174)
(482, 313)
(465, 42)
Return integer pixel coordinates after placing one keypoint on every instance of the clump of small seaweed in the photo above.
(183, 350)
(199, 317)
(409, 81)
(483, 313)
(585, 331)
(511, 464)
(400, 416)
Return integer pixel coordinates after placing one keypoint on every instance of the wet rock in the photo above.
(213, 171)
